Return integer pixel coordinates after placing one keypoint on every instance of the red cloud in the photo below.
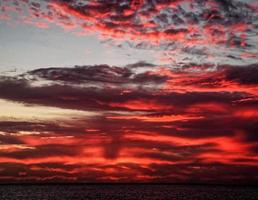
(202, 25)
(150, 122)
(192, 117)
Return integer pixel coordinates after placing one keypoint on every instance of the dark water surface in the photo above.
(124, 192)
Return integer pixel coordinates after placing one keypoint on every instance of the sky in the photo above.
(129, 91)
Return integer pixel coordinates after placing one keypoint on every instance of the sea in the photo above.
(126, 192)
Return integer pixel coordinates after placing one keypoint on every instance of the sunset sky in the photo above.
(129, 91)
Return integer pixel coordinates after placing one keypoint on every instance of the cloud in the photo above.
(148, 120)
(114, 88)
(216, 30)
(97, 73)
(243, 75)
(191, 121)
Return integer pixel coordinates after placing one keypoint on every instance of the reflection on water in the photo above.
(126, 192)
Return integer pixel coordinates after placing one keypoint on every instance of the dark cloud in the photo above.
(7, 139)
(13, 126)
(97, 73)
(94, 98)
(243, 75)
(44, 151)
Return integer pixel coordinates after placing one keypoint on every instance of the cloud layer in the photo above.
(196, 123)
(222, 31)
(190, 117)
